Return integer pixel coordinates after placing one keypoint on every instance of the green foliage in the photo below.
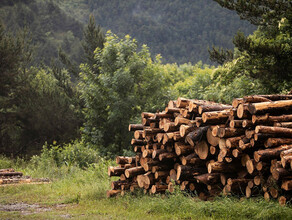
(266, 55)
(51, 28)
(70, 155)
(129, 81)
(179, 30)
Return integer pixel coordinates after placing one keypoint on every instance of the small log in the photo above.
(269, 106)
(287, 185)
(215, 117)
(285, 132)
(213, 107)
(134, 171)
(202, 149)
(235, 123)
(236, 102)
(283, 124)
(112, 193)
(195, 136)
(185, 129)
(134, 127)
(208, 178)
(242, 111)
(138, 142)
(230, 132)
(214, 141)
(158, 189)
(255, 99)
(222, 167)
(166, 156)
(183, 149)
(125, 160)
(270, 153)
(273, 142)
(181, 121)
(233, 142)
(115, 171)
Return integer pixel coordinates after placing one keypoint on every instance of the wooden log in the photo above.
(138, 142)
(183, 149)
(281, 118)
(170, 127)
(283, 124)
(247, 124)
(250, 166)
(236, 102)
(279, 173)
(286, 160)
(242, 111)
(215, 117)
(167, 156)
(151, 131)
(7, 170)
(115, 171)
(208, 178)
(276, 97)
(273, 192)
(269, 106)
(195, 136)
(134, 127)
(255, 99)
(270, 153)
(287, 185)
(112, 193)
(230, 132)
(181, 121)
(161, 174)
(134, 171)
(202, 149)
(221, 167)
(172, 110)
(188, 171)
(125, 160)
(147, 115)
(185, 129)
(213, 150)
(273, 142)
(161, 115)
(284, 132)
(235, 123)
(260, 119)
(212, 140)
(158, 189)
(249, 133)
(233, 142)
(213, 107)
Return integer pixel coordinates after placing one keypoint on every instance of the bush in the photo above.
(72, 154)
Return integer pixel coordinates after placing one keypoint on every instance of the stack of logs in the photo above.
(210, 149)
(11, 177)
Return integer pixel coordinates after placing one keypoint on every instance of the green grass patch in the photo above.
(81, 194)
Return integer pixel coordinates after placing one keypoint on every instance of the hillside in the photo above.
(49, 26)
(179, 30)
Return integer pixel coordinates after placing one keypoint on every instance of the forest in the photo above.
(74, 74)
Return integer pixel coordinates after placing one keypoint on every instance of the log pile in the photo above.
(11, 177)
(210, 149)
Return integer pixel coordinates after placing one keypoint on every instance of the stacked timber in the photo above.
(209, 149)
(11, 177)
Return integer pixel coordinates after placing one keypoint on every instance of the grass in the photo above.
(81, 194)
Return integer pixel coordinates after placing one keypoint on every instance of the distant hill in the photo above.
(50, 27)
(179, 30)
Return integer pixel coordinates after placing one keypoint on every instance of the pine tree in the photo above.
(267, 54)
(93, 38)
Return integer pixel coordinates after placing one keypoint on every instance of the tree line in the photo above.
(118, 78)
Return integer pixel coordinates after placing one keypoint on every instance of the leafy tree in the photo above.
(129, 82)
(266, 55)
